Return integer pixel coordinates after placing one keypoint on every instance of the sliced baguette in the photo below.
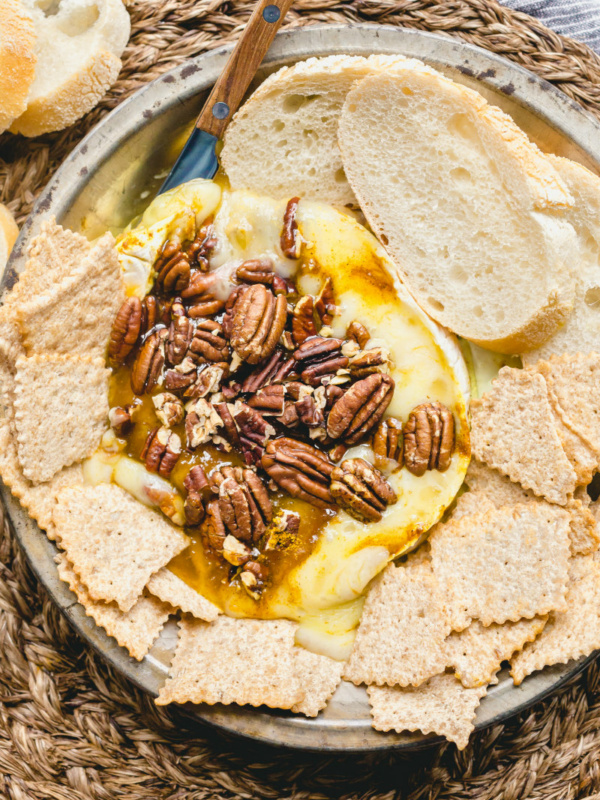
(469, 209)
(79, 44)
(581, 332)
(283, 141)
(17, 60)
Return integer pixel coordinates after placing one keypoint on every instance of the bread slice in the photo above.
(9, 231)
(469, 209)
(17, 60)
(79, 44)
(581, 332)
(283, 140)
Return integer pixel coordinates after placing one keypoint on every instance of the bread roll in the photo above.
(17, 60)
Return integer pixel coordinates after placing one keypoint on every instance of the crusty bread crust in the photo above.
(17, 60)
(70, 101)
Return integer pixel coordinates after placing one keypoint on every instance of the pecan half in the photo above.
(208, 380)
(172, 267)
(149, 314)
(303, 323)
(309, 413)
(209, 343)
(203, 292)
(428, 438)
(202, 245)
(360, 408)
(269, 400)
(194, 482)
(161, 451)
(256, 270)
(369, 361)
(213, 527)
(361, 489)
(243, 501)
(318, 358)
(276, 368)
(181, 332)
(168, 409)
(258, 321)
(126, 330)
(231, 430)
(201, 422)
(358, 333)
(325, 303)
(183, 376)
(253, 430)
(299, 469)
(148, 363)
(387, 442)
(290, 240)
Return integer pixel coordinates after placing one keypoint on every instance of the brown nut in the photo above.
(202, 291)
(361, 489)
(243, 502)
(172, 267)
(253, 430)
(149, 314)
(208, 380)
(120, 420)
(209, 343)
(357, 332)
(318, 358)
(290, 240)
(299, 469)
(368, 361)
(360, 408)
(308, 412)
(257, 323)
(303, 323)
(257, 270)
(266, 373)
(388, 442)
(254, 577)
(161, 451)
(194, 483)
(199, 250)
(148, 364)
(213, 527)
(125, 331)
(325, 303)
(269, 400)
(428, 438)
(181, 332)
(168, 408)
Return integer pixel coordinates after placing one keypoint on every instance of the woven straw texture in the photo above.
(70, 728)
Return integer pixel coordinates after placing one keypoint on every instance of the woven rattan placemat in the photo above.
(70, 728)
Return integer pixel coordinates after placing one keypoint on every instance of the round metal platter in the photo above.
(112, 175)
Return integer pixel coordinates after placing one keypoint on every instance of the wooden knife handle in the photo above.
(229, 90)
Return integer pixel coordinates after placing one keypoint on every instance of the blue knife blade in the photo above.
(198, 159)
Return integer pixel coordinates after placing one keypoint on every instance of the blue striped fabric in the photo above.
(579, 19)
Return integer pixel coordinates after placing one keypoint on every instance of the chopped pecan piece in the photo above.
(299, 469)
(168, 409)
(258, 321)
(178, 379)
(308, 413)
(358, 333)
(253, 430)
(369, 361)
(201, 422)
(282, 531)
(281, 286)
(337, 452)
(387, 442)
(318, 358)
(332, 394)
(236, 552)
(269, 400)
(428, 438)
(325, 303)
(126, 330)
(202, 245)
(290, 240)
(172, 267)
(120, 420)
(148, 363)
(289, 417)
(276, 368)
(203, 292)
(361, 489)
(254, 577)
(360, 408)
(228, 423)
(195, 481)
(230, 309)
(208, 380)
(257, 270)
(213, 527)
(161, 451)
(303, 323)
(243, 501)
(179, 339)
(209, 343)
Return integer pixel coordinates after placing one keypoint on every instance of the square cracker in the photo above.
(136, 630)
(165, 585)
(574, 384)
(61, 411)
(487, 483)
(400, 639)
(113, 542)
(512, 429)
(502, 565)
(244, 661)
(571, 634)
(75, 317)
(319, 677)
(442, 705)
(476, 653)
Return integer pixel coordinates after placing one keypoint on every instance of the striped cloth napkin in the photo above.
(579, 19)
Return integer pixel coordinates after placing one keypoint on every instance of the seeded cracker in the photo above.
(476, 653)
(244, 661)
(442, 706)
(574, 383)
(61, 408)
(113, 542)
(136, 630)
(319, 677)
(502, 565)
(512, 430)
(75, 317)
(488, 483)
(165, 585)
(400, 640)
(571, 634)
